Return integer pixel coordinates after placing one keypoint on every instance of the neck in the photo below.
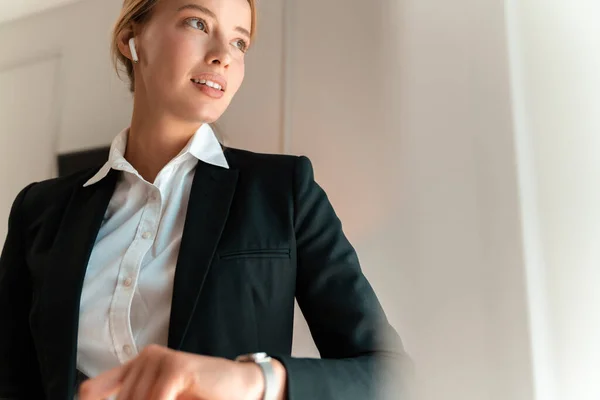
(154, 140)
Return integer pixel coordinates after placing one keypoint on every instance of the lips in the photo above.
(214, 81)
(208, 90)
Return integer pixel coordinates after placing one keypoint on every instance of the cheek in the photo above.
(238, 74)
(187, 52)
(172, 59)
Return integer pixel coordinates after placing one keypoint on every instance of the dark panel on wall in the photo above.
(73, 162)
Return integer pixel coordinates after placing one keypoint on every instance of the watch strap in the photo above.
(266, 366)
(270, 379)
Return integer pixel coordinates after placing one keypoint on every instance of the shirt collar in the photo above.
(203, 145)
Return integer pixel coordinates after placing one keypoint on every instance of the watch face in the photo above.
(259, 356)
(255, 357)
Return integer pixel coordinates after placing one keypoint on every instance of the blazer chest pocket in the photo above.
(254, 253)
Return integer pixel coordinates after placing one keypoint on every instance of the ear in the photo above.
(123, 42)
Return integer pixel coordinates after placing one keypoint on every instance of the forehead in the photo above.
(235, 11)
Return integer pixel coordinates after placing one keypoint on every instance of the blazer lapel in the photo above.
(70, 255)
(211, 195)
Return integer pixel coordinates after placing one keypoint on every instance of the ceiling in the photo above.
(14, 9)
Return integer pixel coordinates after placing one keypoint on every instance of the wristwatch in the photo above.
(264, 362)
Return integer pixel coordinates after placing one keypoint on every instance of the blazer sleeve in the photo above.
(19, 371)
(360, 352)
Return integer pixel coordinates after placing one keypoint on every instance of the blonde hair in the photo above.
(139, 11)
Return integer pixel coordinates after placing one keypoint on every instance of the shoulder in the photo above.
(266, 164)
(271, 177)
(245, 159)
(39, 195)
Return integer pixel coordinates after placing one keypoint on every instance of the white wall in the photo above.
(556, 72)
(11, 10)
(455, 118)
(93, 104)
(56, 61)
(405, 110)
(26, 157)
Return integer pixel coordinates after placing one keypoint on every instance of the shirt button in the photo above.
(147, 235)
(127, 282)
(127, 349)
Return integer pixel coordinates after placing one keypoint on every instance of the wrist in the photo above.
(281, 374)
(252, 382)
(257, 382)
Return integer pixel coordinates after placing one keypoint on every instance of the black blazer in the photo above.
(256, 236)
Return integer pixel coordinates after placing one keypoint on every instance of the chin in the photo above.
(202, 114)
(207, 119)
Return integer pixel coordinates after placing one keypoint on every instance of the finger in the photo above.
(129, 380)
(147, 381)
(189, 396)
(104, 385)
(167, 388)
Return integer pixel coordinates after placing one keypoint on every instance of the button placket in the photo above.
(120, 325)
(149, 214)
(120, 313)
(131, 274)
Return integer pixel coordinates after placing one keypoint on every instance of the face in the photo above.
(192, 57)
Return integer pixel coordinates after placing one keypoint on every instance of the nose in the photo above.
(219, 54)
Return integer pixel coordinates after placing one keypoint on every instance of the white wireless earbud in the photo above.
(133, 51)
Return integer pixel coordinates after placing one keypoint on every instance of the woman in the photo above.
(171, 270)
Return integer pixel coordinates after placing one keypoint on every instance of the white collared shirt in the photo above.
(128, 285)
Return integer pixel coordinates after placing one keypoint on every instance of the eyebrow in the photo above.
(211, 14)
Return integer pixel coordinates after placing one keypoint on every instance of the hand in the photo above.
(160, 373)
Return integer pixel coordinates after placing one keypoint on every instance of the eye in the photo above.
(196, 23)
(241, 44)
